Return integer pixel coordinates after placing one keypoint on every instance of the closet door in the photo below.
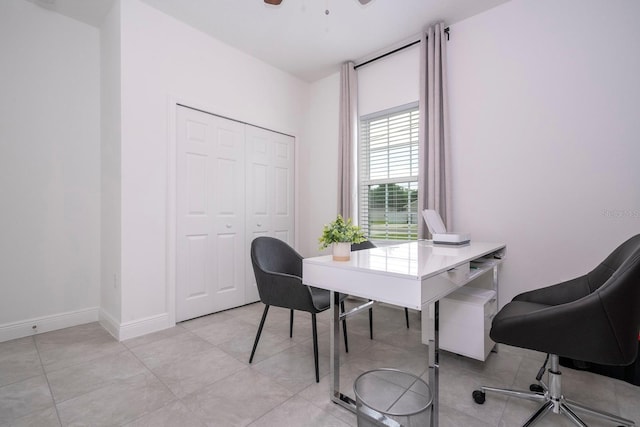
(210, 172)
(269, 202)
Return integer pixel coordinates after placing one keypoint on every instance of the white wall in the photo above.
(544, 120)
(318, 163)
(389, 82)
(162, 57)
(110, 139)
(49, 170)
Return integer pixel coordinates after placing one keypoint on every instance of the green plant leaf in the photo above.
(341, 231)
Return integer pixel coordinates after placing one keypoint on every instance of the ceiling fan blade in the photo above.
(273, 2)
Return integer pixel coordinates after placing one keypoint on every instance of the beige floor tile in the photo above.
(79, 379)
(200, 322)
(171, 415)
(628, 397)
(237, 400)
(171, 349)
(380, 355)
(249, 312)
(24, 397)
(117, 403)
(270, 344)
(224, 329)
(45, 418)
(19, 360)
(293, 367)
(156, 336)
(456, 388)
(197, 370)
(297, 412)
(450, 417)
(67, 347)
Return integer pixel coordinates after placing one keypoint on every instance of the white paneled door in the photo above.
(269, 193)
(210, 214)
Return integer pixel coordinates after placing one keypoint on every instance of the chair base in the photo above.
(552, 400)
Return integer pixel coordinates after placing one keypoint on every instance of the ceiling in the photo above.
(299, 36)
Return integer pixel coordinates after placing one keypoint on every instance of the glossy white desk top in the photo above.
(418, 260)
(367, 273)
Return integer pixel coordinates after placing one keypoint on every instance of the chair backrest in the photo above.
(607, 268)
(278, 270)
(274, 255)
(367, 244)
(619, 295)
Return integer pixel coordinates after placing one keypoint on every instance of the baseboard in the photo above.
(38, 325)
(144, 326)
(109, 323)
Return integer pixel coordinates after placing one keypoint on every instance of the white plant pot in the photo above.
(342, 251)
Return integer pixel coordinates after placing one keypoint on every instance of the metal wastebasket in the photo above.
(392, 398)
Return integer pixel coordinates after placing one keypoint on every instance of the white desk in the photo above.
(415, 275)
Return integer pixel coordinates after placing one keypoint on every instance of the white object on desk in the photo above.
(439, 232)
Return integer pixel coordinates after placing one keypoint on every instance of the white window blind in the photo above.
(388, 174)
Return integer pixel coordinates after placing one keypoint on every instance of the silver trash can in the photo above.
(392, 398)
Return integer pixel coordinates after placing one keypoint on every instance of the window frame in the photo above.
(410, 181)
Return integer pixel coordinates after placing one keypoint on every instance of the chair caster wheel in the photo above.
(536, 388)
(479, 396)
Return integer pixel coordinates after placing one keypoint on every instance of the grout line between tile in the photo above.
(46, 377)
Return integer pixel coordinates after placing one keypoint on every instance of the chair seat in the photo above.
(322, 298)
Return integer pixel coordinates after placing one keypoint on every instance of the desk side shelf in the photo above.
(467, 313)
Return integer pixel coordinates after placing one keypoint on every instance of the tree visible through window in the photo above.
(388, 178)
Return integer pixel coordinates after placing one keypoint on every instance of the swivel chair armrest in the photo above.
(561, 293)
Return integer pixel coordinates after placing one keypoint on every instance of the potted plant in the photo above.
(340, 234)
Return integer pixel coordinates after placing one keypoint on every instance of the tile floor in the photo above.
(197, 374)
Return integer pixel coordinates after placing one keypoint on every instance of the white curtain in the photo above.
(348, 124)
(434, 152)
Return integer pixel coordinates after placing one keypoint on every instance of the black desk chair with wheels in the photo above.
(594, 318)
(367, 244)
(278, 270)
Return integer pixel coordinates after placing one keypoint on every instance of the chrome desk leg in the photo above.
(495, 288)
(433, 359)
(334, 361)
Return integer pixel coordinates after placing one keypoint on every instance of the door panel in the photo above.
(193, 215)
(210, 214)
(269, 196)
(196, 266)
(228, 192)
(284, 235)
(283, 213)
(196, 183)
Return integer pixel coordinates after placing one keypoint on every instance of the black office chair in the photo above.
(593, 318)
(278, 270)
(368, 244)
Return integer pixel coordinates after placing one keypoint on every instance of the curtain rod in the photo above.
(446, 31)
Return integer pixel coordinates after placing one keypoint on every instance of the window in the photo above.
(388, 174)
